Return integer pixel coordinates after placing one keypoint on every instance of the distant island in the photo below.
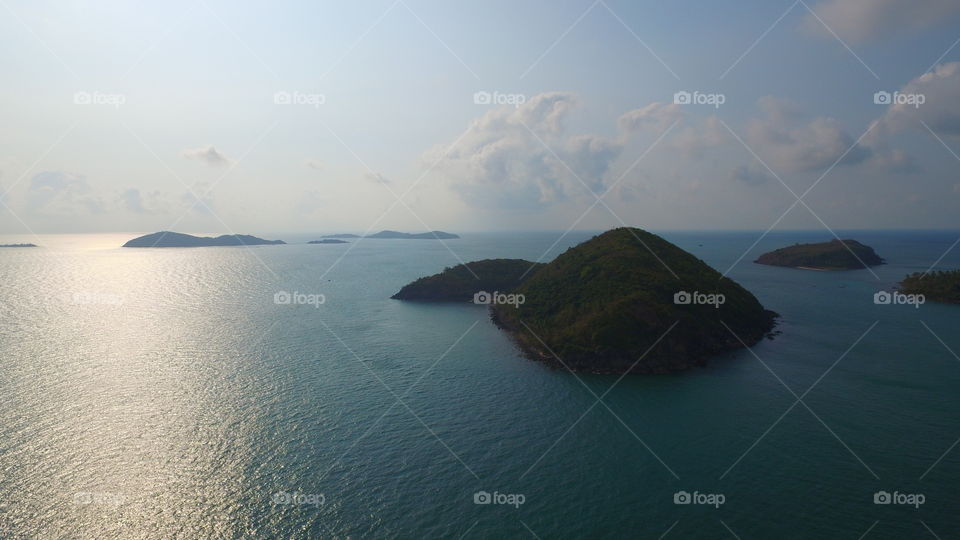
(17, 245)
(936, 286)
(432, 235)
(328, 241)
(171, 239)
(833, 255)
(609, 305)
(341, 235)
(460, 283)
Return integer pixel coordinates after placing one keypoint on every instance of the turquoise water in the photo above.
(164, 393)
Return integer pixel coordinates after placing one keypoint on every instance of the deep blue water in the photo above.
(164, 393)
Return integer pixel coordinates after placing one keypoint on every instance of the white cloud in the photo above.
(59, 192)
(940, 110)
(208, 155)
(787, 142)
(860, 21)
(521, 158)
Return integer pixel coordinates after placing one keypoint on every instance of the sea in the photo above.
(278, 392)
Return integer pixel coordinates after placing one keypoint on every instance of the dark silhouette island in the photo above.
(17, 245)
(328, 241)
(936, 286)
(171, 239)
(833, 255)
(626, 301)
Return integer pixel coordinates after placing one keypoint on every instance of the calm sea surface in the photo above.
(165, 394)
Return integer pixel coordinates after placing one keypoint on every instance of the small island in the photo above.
(460, 283)
(833, 255)
(165, 239)
(936, 286)
(17, 245)
(341, 235)
(328, 241)
(431, 235)
(618, 303)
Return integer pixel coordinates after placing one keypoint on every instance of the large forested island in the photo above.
(833, 255)
(171, 239)
(608, 305)
(936, 286)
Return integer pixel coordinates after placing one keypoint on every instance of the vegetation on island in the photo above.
(624, 301)
(460, 283)
(171, 239)
(939, 286)
(833, 255)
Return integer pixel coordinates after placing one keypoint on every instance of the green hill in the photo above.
(936, 286)
(602, 304)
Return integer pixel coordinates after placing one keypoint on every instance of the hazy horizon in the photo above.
(421, 115)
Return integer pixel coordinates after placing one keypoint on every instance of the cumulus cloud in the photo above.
(132, 201)
(198, 198)
(61, 192)
(940, 110)
(208, 155)
(860, 21)
(523, 158)
(658, 115)
(784, 139)
(750, 175)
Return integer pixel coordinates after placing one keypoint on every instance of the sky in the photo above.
(415, 115)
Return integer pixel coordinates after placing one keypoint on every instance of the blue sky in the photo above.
(177, 123)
